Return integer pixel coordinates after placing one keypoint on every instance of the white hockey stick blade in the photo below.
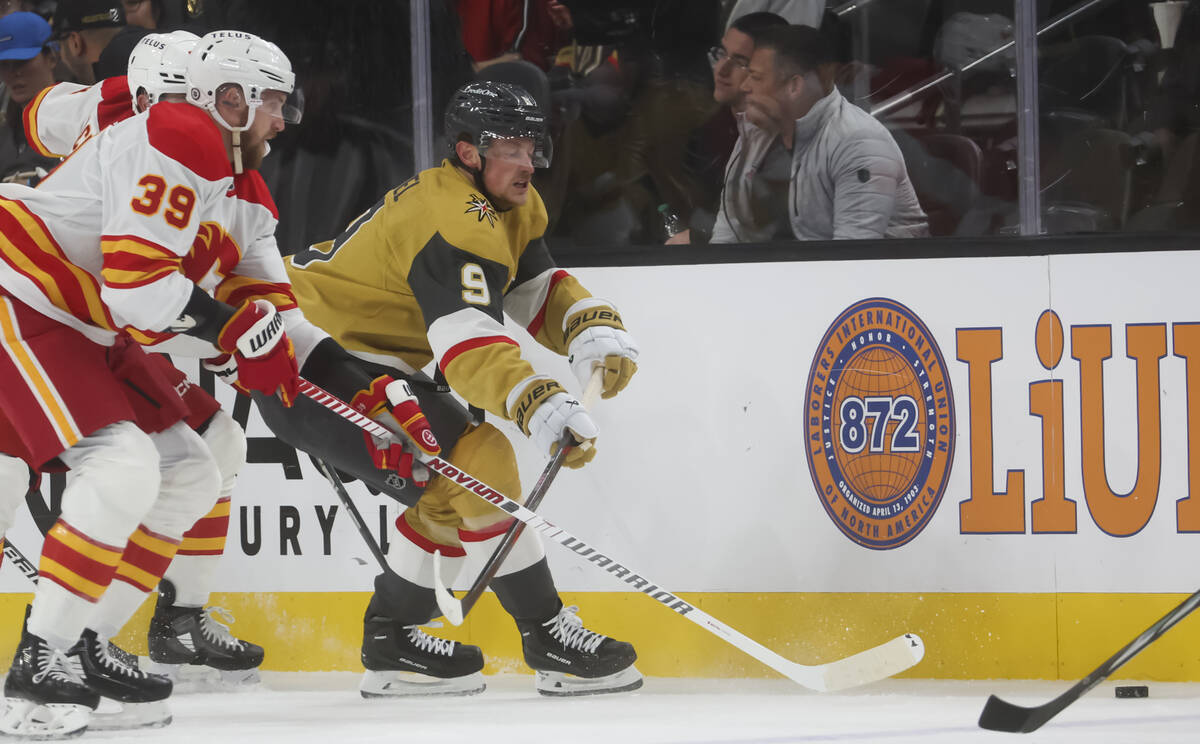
(871, 665)
(874, 664)
(450, 606)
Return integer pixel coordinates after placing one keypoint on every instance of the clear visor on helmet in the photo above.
(532, 149)
(289, 107)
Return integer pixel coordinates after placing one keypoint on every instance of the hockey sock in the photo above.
(74, 571)
(143, 563)
(528, 594)
(402, 601)
(199, 552)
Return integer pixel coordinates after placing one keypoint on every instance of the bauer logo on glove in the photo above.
(595, 337)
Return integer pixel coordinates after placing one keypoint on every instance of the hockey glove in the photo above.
(597, 338)
(265, 359)
(224, 368)
(544, 412)
(391, 402)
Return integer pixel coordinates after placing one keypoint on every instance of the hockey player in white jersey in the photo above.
(185, 637)
(157, 226)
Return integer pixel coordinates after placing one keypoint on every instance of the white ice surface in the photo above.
(326, 709)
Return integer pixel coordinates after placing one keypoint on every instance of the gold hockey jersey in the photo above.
(428, 273)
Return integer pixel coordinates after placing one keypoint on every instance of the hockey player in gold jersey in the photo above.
(427, 274)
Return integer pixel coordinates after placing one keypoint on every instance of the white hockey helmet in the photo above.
(238, 58)
(158, 65)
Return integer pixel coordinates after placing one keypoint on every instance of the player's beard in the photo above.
(253, 152)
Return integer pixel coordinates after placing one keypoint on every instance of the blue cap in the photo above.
(22, 35)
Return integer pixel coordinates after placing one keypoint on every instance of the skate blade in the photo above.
(115, 716)
(411, 684)
(192, 679)
(26, 719)
(557, 684)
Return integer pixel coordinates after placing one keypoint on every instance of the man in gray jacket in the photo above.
(848, 178)
(752, 205)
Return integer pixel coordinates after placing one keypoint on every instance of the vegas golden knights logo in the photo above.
(879, 423)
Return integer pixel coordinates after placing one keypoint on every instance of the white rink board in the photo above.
(701, 480)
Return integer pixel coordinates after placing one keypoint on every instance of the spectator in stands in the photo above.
(83, 28)
(653, 87)
(144, 13)
(848, 176)
(14, 6)
(27, 60)
(114, 60)
(508, 30)
(798, 12)
(757, 207)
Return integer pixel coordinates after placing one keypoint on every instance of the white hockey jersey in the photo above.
(115, 238)
(64, 116)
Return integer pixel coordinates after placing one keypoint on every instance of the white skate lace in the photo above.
(431, 644)
(215, 630)
(568, 628)
(116, 663)
(55, 665)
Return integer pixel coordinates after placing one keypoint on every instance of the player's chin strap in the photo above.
(237, 151)
(236, 133)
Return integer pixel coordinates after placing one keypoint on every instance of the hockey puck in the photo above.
(1133, 691)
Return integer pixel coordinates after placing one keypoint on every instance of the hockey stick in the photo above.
(17, 558)
(455, 610)
(1000, 715)
(871, 665)
(355, 516)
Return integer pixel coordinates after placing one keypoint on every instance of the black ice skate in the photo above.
(116, 676)
(403, 660)
(44, 697)
(572, 660)
(183, 639)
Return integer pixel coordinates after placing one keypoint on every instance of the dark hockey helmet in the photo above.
(484, 111)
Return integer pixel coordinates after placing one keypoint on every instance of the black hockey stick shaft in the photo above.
(17, 558)
(1000, 715)
(489, 570)
(355, 516)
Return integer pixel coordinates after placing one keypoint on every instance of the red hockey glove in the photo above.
(392, 403)
(265, 359)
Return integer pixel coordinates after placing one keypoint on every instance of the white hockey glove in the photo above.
(223, 367)
(544, 412)
(598, 338)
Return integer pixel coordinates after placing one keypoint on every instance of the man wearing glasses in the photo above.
(750, 218)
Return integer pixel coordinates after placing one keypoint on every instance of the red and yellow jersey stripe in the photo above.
(130, 261)
(28, 248)
(30, 116)
(236, 290)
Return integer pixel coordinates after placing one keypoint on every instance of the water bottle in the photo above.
(671, 224)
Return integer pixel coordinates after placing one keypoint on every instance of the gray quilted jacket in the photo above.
(848, 178)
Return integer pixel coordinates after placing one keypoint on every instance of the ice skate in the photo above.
(404, 660)
(196, 650)
(571, 660)
(43, 696)
(139, 697)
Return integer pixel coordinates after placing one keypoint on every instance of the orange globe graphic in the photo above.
(876, 472)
